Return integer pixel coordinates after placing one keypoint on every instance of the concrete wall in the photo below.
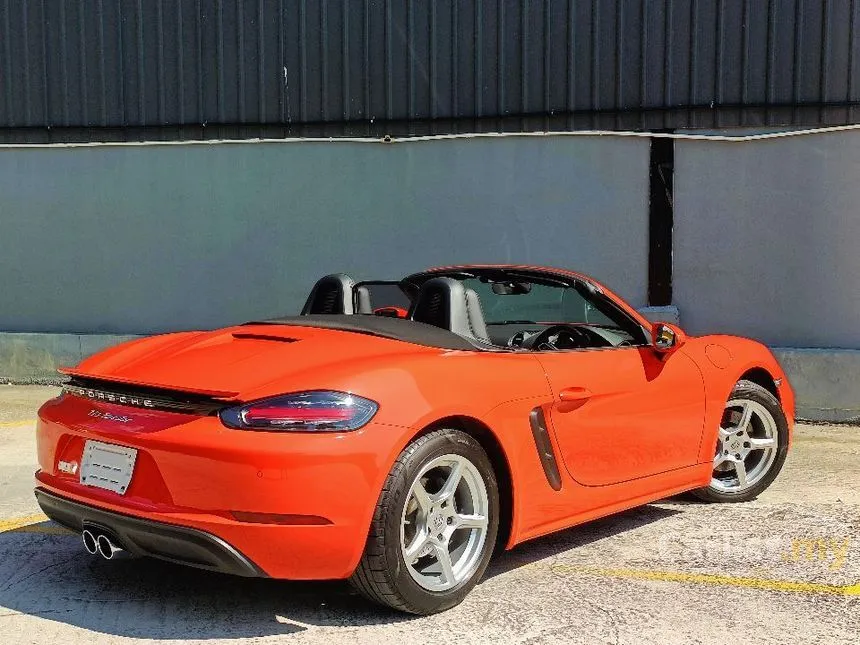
(766, 245)
(35, 358)
(766, 239)
(144, 239)
(825, 382)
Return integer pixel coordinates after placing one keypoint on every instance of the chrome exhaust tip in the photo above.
(106, 548)
(89, 541)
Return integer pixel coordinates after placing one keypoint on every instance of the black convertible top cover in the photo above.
(407, 331)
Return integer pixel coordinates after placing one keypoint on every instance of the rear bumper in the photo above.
(144, 537)
(312, 495)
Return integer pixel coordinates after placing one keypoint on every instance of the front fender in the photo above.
(723, 361)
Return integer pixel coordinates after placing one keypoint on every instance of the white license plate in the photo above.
(107, 466)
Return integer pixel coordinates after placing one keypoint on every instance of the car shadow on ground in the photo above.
(51, 576)
(555, 544)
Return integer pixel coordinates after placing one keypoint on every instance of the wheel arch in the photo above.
(761, 376)
(488, 440)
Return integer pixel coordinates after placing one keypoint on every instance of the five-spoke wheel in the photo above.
(751, 446)
(444, 524)
(435, 525)
(746, 447)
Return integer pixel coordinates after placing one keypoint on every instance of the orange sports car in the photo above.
(396, 433)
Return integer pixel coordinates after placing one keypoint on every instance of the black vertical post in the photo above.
(660, 221)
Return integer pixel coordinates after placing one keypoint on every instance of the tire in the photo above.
(726, 487)
(399, 521)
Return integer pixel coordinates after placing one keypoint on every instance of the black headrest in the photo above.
(332, 294)
(444, 302)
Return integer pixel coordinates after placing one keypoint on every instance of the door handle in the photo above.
(574, 394)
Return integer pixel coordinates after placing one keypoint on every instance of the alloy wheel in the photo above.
(746, 448)
(444, 523)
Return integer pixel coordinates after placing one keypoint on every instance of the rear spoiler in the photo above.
(215, 394)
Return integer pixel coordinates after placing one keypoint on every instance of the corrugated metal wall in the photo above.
(142, 63)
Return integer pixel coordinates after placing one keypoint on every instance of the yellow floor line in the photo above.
(43, 529)
(12, 424)
(714, 579)
(18, 522)
(37, 523)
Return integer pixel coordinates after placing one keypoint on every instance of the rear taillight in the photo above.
(318, 411)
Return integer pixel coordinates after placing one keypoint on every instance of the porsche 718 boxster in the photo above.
(396, 433)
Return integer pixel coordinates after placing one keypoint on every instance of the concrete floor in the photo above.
(784, 568)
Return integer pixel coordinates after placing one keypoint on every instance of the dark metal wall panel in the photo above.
(157, 63)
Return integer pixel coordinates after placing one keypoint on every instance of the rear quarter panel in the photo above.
(418, 389)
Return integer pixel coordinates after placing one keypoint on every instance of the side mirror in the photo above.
(666, 337)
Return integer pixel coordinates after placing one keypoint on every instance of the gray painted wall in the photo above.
(144, 239)
(767, 239)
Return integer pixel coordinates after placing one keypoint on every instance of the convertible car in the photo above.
(396, 433)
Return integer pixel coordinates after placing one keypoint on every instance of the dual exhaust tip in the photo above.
(100, 544)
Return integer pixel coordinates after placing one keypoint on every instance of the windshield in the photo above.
(530, 302)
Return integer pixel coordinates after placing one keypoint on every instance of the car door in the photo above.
(624, 413)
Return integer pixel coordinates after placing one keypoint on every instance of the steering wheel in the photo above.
(559, 337)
